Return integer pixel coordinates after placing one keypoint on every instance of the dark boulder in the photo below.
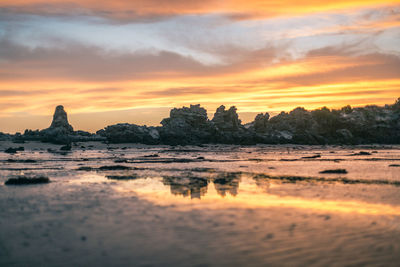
(130, 133)
(229, 128)
(5, 137)
(187, 125)
(12, 150)
(22, 180)
(67, 147)
(226, 120)
(260, 122)
(194, 116)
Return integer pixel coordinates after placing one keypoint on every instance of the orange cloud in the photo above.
(329, 76)
(240, 9)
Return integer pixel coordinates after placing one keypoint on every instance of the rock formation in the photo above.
(59, 132)
(186, 125)
(60, 120)
(260, 123)
(130, 133)
(190, 125)
(226, 120)
(5, 137)
(229, 129)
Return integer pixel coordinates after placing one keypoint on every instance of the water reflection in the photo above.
(193, 187)
(222, 191)
(227, 182)
(197, 187)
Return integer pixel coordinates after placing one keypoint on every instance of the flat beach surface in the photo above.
(213, 205)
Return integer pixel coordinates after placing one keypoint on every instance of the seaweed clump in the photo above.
(23, 180)
(341, 171)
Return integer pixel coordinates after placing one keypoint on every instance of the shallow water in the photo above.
(215, 205)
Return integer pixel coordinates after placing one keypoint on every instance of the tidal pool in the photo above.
(214, 205)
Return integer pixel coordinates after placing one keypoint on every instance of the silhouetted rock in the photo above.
(122, 177)
(312, 157)
(12, 150)
(114, 168)
(22, 180)
(226, 120)
(152, 156)
(190, 125)
(5, 137)
(260, 122)
(60, 120)
(85, 168)
(194, 116)
(297, 126)
(22, 160)
(344, 136)
(229, 129)
(66, 147)
(130, 133)
(187, 125)
(59, 132)
(339, 171)
(362, 153)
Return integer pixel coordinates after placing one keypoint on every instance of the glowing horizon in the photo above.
(132, 61)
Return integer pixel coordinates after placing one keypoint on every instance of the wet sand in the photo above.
(213, 205)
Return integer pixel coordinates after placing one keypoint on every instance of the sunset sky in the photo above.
(131, 61)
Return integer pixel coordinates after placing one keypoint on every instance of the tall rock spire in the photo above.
(60, 120)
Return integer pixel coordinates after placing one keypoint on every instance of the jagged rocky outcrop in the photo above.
(226, 120)
(187, 125)
(190, 125)
(229, 129)
(59, 132)
(130, 133)
(370, 124)
(5, 137)
(260, 123)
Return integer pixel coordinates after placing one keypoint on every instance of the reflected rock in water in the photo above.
(227, 182)
(262, 183)
(195, 187)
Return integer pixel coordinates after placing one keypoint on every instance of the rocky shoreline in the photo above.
(191, 126)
